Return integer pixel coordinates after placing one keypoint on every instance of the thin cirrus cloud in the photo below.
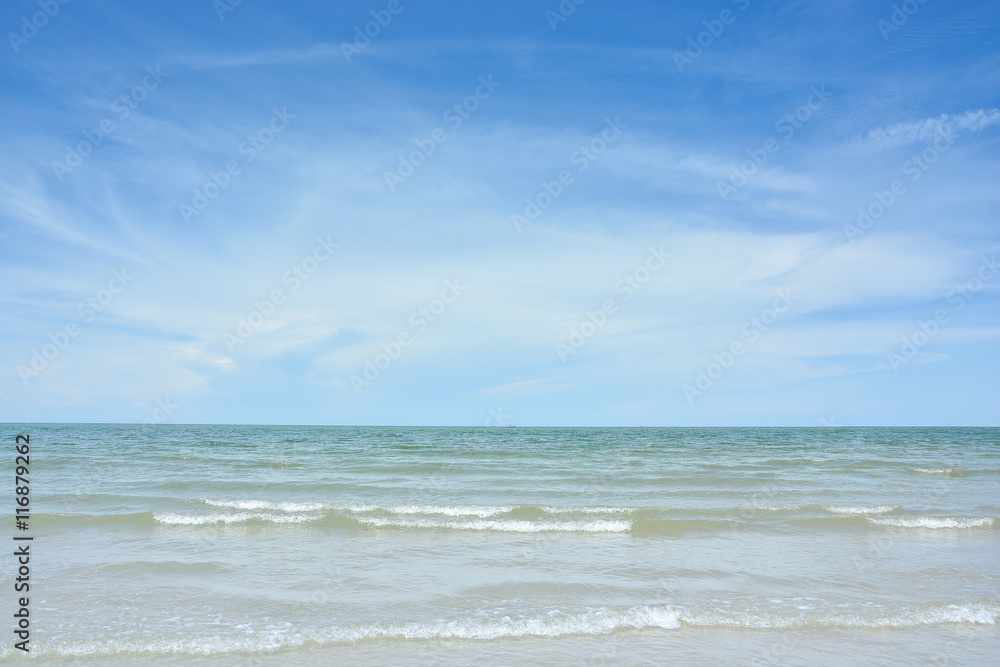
(926, 130)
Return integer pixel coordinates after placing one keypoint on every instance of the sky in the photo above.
(536, 213)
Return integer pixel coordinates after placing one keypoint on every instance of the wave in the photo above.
(934, 522)
(480, 511)
(172, 519)
(944, 472)
(446, 510)
(506, 526)
(500, 624)
(591, 510)
(456, 522)
(641, 521)
(265, 505)
(985, 614)
(764, 508)
(514, 525)
(527, 510)
(872, 509)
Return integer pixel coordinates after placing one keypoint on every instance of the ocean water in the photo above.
(254, 545)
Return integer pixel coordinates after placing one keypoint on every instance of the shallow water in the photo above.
(318, 545)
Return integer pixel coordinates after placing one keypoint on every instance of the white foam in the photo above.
(241, 517)
(554, 624)
(952, 613)
(359, 508)
(446, 510)
(500, 624)
(480, 512)
(265, 505)
(551, 624)
(934, 471)
(588, 510)
(507, 526)
(871, 509)
(935, 522)
(771, 508)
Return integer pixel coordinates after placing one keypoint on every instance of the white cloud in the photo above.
(925, 130)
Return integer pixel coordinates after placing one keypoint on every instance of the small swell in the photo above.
(942, 472)
(935, 522)
(264, 505)
(173, 519)
(503, 624)
(870, 509)
(503, 525)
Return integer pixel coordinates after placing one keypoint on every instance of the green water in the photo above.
(324, 545)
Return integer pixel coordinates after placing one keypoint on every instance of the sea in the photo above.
(337, 545)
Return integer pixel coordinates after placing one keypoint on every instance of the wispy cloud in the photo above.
(322, 51)
(925, 130)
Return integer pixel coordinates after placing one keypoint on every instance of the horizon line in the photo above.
(491, 426)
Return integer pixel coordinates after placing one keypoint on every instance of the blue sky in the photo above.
(726, 213)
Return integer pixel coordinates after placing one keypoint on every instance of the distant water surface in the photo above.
(344, 545)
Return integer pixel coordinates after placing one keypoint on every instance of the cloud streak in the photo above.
(926, 130)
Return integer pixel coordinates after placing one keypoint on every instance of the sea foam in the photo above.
(507, 526)
(872, 509)
(935, 522)
(501, 624)
(173, 519)
(265, 505)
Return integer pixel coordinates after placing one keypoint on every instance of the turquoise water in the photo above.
(326, 545)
